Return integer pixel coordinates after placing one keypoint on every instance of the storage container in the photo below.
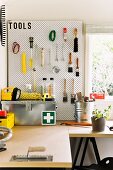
(8, 121)
(83, 111)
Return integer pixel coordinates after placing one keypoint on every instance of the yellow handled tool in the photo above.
(31, 56)
(24, 69)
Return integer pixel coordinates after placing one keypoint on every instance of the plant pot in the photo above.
(98, 125)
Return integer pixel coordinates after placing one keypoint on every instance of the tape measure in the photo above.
(16, 94)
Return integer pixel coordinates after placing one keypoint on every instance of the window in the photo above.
(99, 62)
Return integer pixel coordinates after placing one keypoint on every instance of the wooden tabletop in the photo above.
(86, 131)
(54, 138)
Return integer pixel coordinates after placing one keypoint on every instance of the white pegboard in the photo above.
(40, 31)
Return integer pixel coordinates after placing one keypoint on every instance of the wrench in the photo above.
(56, 59)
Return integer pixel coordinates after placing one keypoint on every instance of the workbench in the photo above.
(56, 139)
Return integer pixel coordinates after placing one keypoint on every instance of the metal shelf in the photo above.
(28, 101)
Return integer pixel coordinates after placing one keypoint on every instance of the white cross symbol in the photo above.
(48, 118)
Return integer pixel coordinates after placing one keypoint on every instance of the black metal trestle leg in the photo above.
(95, 149)
(93, 141)
(77, 154)
(84, 152)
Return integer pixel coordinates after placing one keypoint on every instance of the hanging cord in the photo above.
(15, 47)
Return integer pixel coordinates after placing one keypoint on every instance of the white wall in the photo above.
(89, 11)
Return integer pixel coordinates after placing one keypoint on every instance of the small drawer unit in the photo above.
(8, 121)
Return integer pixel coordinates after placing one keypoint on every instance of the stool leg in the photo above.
(95, 149)
(84, 152)
(77, 153)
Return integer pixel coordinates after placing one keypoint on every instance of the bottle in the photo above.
(44, 86)
(52, 87)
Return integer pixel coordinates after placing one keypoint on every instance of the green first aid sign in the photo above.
(48, 118)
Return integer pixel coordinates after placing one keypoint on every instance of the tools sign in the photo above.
(19, 25)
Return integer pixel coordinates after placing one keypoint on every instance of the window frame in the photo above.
(93, 29)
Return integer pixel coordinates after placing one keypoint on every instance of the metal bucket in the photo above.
(83, 111)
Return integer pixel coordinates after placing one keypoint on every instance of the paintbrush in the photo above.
(72, 95)
(79, 96)
(77, 67)
(75, 41)
(70, 67)
(65, 98)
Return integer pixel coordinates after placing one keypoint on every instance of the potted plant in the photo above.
(99, 119)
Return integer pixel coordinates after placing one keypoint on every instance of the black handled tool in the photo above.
(75, 41)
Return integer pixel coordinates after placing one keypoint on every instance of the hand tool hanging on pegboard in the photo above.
(65, 97)
(49, 58)
(63, 59)
(23, 62)
(70, 66)
(56, 58)
(56, 69)
(77, 67)
(31, 50)
(65, 34)
(34, 79)
(65, 40)
(75, 41)
(34, 68)
(42, 57)
(15, 48)
(50, 64)
(2, 25)
(52, 37)
(73, 94)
